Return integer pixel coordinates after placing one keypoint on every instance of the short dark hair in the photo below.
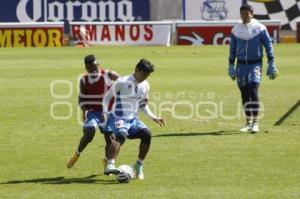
(145, 66)
(247, 8)
(89, 59)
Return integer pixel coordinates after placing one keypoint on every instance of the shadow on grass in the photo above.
(62, 180)
(213, 133)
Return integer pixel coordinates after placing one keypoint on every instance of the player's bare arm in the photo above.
(113, 75)
(146, 109)
(81, 99)
(105, 103)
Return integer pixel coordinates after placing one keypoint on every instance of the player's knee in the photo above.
(108, 138)
(89, 133)
(121, 137)
(145, 136)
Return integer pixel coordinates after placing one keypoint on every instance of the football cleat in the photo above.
(255, 127)
(111, 169)
(72, 161)
(247, 127)
(104, 163)
(139, 171)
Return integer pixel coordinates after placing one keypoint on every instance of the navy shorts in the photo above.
(248, 73)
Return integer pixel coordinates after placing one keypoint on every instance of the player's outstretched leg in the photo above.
(88, 135)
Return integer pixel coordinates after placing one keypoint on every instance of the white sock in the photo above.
(111, 161)
(77, 152)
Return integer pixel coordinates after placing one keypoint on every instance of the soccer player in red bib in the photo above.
(93, 86)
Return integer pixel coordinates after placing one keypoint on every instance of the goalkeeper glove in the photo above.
(272, 72)
(231, 71)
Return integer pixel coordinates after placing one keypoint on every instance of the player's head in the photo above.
(91, 63)
(143, 69)
(246, 12)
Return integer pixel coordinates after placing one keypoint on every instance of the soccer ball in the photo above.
(126, 173)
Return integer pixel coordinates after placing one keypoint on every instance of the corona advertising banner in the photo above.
(74, 11)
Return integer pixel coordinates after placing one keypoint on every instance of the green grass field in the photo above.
(198, 157)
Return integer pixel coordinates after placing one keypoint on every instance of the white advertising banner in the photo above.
(121, 33)
(212, 10)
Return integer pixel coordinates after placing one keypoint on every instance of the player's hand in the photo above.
(84, 115)
(160, 121)
(272, 71)
(104, 117)
(231, 71)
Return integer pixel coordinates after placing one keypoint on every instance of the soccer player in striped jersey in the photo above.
(93, 86)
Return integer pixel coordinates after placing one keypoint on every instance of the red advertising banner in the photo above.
(214, 33)
(298, 31)
(121, 33)
(31, 34)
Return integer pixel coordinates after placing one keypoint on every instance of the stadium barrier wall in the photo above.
(121, 33)
(298, 31)
(215, 32)
(50, 34)
(41, 34)
(160, 33)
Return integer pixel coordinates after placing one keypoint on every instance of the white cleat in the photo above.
(139, 171)
(255, 127)
(111, 169)
(247, 128)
